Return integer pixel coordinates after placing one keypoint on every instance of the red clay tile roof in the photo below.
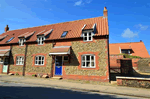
(58, 50)
(88, 26)
(138, 48)
(126, 47)
(1, 37)
(74, 29)
(45, 32)
(4, 47)
(25, 35)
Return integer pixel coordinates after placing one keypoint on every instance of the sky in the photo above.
(128, 20)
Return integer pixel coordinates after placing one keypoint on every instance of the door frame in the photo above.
(55, 66)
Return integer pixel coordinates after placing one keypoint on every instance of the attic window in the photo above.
(21, 41)
(64, 34)
(10, 39)
(87, 36)
(40, 40)
(125, 51)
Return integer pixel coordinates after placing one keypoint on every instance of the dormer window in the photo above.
(87, 36)
(40, 40)
(125, 51)
(21, 41)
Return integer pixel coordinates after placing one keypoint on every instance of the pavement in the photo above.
(119, 90)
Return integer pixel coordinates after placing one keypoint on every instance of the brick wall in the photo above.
(71, 70)
(16, 51)
(134, 83)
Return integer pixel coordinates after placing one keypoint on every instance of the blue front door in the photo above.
(58, 65)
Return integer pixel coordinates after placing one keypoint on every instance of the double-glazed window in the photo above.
(88, 61)
(19, 60)
(21, 41)
(87, 36)
(40, 40)
(39, 60)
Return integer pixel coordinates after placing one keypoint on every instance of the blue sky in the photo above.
(129, 20)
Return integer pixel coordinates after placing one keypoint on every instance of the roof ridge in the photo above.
(54, 24)
(126, 42)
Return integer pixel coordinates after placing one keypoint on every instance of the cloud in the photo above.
(89, 1)
(78, 3)
(141, 27)
(129, 34)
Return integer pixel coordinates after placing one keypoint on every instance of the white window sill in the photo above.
(40, 44)
(39, 65)
(88, 67)
(88, 41)
(19, 64)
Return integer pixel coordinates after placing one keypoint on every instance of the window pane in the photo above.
(89, 33)
(88, 58)
(83, 58)
(36, 62)
(85, 34)
(39, 62)
(92, 64)
(39, 58)
(87, 64)
(83, 63)
(84, 38)
(92, 58)
(90, 38)
(42, 58)
(42, 62)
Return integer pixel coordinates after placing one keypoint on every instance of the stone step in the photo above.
(113, 82)
(57, 78)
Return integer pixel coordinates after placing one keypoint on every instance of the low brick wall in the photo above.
(133, 82)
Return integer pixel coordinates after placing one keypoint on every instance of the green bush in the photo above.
(34, 75)
(17, 74)
(129, 56)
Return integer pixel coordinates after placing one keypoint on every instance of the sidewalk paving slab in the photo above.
(120, 90)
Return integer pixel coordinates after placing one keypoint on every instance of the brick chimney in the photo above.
(140, 40)
(6, 28)
(105, 12)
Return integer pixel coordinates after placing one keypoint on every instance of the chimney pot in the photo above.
(6, 28)
(105, 12)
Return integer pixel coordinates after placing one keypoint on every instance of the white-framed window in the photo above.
(88, 61)
(39, 60)
(87, 36)
(21, 42)
(19, 60)
(40, 40)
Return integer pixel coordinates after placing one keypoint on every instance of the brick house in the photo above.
(132, 48)
(71, 50)
(117, 61)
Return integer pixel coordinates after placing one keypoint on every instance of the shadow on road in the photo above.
(17, 92)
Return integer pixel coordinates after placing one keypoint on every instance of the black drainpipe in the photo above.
(53, 42)
(23, 74)
(9, 59)
(108, 58)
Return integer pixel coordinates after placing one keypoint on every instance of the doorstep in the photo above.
(56, 77)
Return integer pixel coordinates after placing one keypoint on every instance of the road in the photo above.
(9, 90)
